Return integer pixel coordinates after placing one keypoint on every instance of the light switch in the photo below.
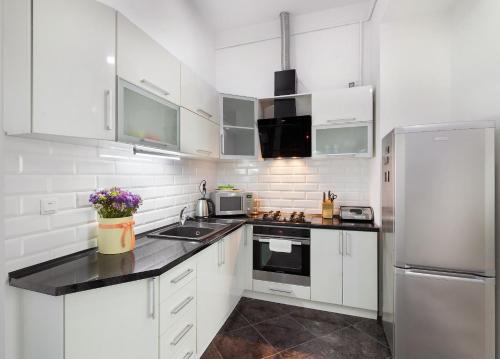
(48, 205)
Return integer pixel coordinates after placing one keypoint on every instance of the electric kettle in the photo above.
(204, 206)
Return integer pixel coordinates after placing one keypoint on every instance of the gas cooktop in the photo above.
(278, 216)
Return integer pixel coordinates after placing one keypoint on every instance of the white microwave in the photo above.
(232, 203)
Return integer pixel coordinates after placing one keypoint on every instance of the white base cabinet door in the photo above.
(199, 136)
(360, 270)
(326, 266)
(119, 321)
(74, 69)
(145, 63)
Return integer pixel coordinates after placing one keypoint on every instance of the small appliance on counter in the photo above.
(356, 214)
(232, 202)
(204, 206)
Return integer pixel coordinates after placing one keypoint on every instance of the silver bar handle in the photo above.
(109, 110)
(155, 87)
(222, 143)
(182, 276)
(294, 243)
(342, 120)
(443, 275)
(204, 152)
(341, 251)
(203, 112)
(348, 244)
(188, 355)
(182, 305)
(182, 334)
(281, 291)
(152, 298)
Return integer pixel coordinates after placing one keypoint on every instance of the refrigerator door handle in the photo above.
(444, 275)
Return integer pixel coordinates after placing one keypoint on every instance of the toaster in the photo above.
(356, 213)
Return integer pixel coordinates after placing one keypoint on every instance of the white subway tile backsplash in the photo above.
(38, 169)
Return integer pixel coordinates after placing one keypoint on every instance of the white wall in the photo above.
(177, 25)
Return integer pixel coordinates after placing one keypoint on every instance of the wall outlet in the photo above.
(48, 206)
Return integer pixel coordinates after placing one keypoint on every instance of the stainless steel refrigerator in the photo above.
(438, 235)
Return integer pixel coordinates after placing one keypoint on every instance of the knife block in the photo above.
(327, 209)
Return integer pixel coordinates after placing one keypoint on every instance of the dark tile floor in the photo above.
(258, 329)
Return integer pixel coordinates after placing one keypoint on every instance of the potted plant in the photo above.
(115, 208)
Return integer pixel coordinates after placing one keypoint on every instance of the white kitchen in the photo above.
(222, 179)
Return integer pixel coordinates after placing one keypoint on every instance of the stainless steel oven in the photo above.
(292, 266)
(232, 203)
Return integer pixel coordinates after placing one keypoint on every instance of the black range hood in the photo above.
(285, 135)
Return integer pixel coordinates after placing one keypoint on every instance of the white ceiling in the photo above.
(228, 14)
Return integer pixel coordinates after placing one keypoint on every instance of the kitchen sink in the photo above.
(191, 231)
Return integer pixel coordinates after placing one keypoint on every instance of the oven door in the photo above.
(230, 204)
(290, 268)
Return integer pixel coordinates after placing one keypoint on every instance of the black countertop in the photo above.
(152, 257)
(316, 221)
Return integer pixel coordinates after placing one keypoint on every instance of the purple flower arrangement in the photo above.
(115, 202)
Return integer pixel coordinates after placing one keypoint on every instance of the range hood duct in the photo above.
(285, 40)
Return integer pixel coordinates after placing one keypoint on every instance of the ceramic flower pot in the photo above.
(115, 235)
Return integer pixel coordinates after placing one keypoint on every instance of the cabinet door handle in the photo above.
(341, 252)
(188, 355)
(181, 276)
(204, 152)
(182, 334)
(222, 143)
(348, 244)
(280, 291)
(109, 110)
(341, 120)
(155, 87)
(182, 305)
(152, 298)
(203, 112)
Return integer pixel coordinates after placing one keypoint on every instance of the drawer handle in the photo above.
(155, 87)
(204, 152)
(181, 276)
(341, 120)
(203, 112)
(280, 291)
(182, 334)
(182, 305)
(188, 355)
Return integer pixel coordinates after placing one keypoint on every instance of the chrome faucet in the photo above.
(182, 217)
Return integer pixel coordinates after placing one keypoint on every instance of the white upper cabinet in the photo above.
(73, 69)
(199, 136)
(239, 127)
(145, 63)
(343, 106)
(198, 96)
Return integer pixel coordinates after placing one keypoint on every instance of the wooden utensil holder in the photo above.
(327, 209)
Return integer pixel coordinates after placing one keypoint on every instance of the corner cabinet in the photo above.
(72, 86)
(197, 95)
(350, 259)
(343, 122)
(238, 130)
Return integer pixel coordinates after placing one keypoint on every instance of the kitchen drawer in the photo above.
(176, 278)
(182, 335)
(176, 307)
(287, 290)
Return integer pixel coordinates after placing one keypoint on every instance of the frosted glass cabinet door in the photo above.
(238, 126)
(354, 139)
(146, 118)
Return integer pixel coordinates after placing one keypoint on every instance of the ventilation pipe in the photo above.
(285, 40)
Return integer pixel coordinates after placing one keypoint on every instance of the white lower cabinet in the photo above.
(119, 321)
(287, 290)
(344, 269)
(326, 268)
